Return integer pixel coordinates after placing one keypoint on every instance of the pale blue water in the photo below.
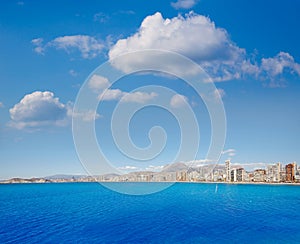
(184, 213)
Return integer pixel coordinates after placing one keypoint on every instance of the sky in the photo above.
(249, 49)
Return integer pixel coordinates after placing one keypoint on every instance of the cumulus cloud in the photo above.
(178, 101)
(38, 109)
(88, 46)
(274, 67)
(117, 94)
(1, 105)
(184, 4)
(198, 38)
(194, 36)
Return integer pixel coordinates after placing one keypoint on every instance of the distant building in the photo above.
(290, 173)
(240, 174)
(181, 175)
(259, 175)
(233, 175)
(273, 173)
(227, 169)
(237, 175)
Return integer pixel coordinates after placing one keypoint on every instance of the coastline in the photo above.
(167, 182)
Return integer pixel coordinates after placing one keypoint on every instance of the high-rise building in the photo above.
(290, 173)
(227, 169)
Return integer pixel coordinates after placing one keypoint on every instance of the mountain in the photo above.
(174, 167)
(62, 176)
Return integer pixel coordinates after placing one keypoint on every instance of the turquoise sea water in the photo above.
(184, 213)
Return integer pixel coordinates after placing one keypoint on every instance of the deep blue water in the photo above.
(184, 213)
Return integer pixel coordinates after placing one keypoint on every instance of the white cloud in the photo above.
(219, 93)
(101, 17)
(98, 82)
(117, 94)
(178, 101)
(184, 4)
(38, 109)
(1, 105)
(192, 35)
(274, 67)
(38, 43)
(138, 97)
(73, 73)
(128, 168)
(230, 152)
(86, 116)
(198, 162)
(88, 46)
(198, 38)
(154, 167)
(111, 94)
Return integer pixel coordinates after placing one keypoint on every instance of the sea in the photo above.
(182, 213)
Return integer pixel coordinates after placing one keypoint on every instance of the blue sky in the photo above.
(48, 49)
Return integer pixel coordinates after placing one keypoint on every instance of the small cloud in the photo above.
(1, 105)
(20, 3)
(198, 162)
(129, 12)
(128, 168)
(138, 97)
(101, 17)
(219, 93)
(110, 95)
(73, 73)
(184, 4)
(230, 152)
(98, 82)
(178, 101)
(38, 43)
(117, 94)
(88, 46)
(86, 116)
(154, 167)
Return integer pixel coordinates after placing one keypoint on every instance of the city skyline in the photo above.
(181, 172)
(256, 73)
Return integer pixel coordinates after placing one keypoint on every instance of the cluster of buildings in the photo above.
(180, 172)
(272, 173)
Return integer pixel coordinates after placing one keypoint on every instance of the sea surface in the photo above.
(183, 213)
